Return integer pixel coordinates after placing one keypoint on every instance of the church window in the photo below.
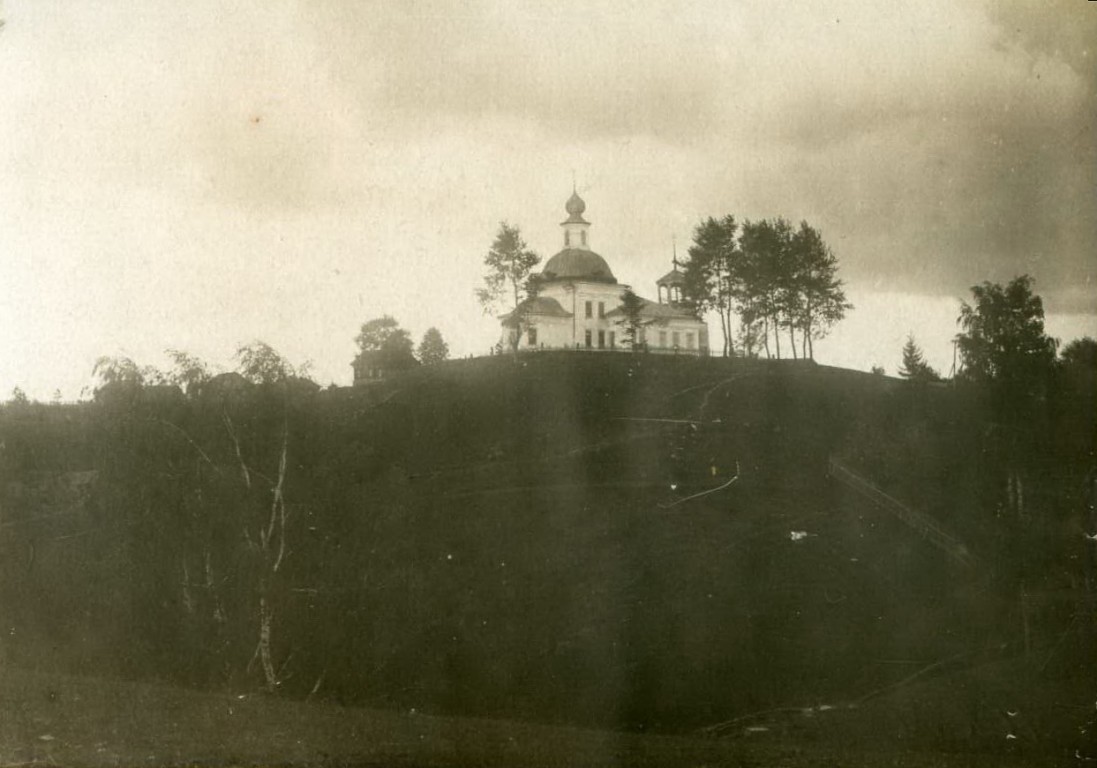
(583, 237)
(675, 339)
(588, 336)
(612, 339)
(662, 338)
(531, 337)
(601, 339)
(689, 341)
(601, 309)
(590, 309)
(567, 239)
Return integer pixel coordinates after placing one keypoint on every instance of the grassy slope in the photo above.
(519, 547)
(50, 719)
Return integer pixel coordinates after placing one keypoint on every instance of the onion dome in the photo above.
(575, 208)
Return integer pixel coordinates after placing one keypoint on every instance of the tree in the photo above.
(914, 365)
(787, 280)
(749, 337)
(433, 348)
(118, 370)
(387, 342)
(260, 363)
(822, 298)
(1002, 339)
(764, 291)
(1080, 354)
(1004, 350)
(711, 273)
(878, 370)
(188, 372)
(19, 397)
(779, 280)
(373, 334)
(510, 277)
(1076, 431)
(632, 322)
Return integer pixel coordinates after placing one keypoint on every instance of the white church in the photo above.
(579, 305)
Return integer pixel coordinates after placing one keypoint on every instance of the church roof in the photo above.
(674, 277)
(541, 305)
(578, 264)
(653, 310)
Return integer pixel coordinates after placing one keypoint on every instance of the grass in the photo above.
(54, 720)
(487, 544)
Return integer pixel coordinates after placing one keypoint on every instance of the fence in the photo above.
(926, 526)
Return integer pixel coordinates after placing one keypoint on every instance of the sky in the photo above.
(199, 175)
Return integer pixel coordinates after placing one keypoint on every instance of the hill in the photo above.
(626, 542)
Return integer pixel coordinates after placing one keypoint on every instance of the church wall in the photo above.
(552, 332)
(573, 297)
(677, 335)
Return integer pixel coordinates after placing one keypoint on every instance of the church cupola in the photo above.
(671, 285)
(575, 226)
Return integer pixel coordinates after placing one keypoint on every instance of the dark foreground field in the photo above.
(764, 564)
(54, 720)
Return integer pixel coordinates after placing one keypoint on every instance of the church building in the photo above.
(579, 304)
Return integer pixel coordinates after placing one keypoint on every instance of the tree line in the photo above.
(259, 363)
(393, 348)
(1002, 344)
(779, 280)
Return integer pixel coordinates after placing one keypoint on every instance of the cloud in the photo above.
(1055, 29)
(937, 149)
(582, 71)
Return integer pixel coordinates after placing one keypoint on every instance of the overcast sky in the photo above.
(199, 174)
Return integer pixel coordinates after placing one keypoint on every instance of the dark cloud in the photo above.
(576, 72)
(979, 165)
(1060, 29)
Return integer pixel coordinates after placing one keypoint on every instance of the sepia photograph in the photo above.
(445, 383)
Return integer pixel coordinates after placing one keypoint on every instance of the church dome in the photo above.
(575, 205)
(578, 264)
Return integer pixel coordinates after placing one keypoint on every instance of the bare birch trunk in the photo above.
(272, 555)
(263, 649)
(731, 335)
(188, 599)
(724, 331)
(244, 473)
(777, 336)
